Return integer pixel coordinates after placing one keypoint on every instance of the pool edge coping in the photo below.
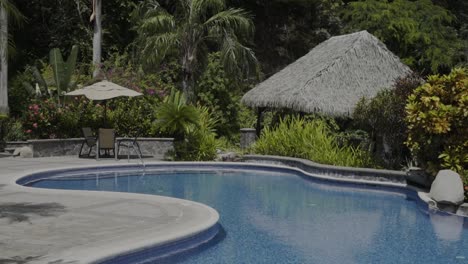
(160, 242)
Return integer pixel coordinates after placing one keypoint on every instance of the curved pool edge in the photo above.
(204, 221)
(367, 176)
(145, 243)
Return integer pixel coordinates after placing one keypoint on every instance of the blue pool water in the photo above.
(283, 217)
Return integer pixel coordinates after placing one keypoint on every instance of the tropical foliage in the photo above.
(314, 140)
(192, 128)
(383, 117)
(208, 50)
(419, 32)
(221, 95)
(437, 117)
(174, 116)
(189, 31)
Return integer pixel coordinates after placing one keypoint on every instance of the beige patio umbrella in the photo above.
(102, 91)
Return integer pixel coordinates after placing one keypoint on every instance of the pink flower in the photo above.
(35, 125)
(28, 131)
(35, 107)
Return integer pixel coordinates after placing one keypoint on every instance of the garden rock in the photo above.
(447, 189)
(16, 152)
(25, 152)
(418, 176)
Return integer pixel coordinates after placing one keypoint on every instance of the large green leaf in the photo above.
(58, 66)
(63, 71)
(70, 67)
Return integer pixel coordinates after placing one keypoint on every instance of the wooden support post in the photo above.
(260, 111)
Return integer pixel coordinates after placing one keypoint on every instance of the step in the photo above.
(5, 154)
(10, 150)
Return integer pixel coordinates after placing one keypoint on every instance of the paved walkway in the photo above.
(62, 226)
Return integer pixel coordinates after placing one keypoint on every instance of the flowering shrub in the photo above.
(41, 119)
(45, 119)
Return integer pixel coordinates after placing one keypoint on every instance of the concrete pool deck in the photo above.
(64, 226)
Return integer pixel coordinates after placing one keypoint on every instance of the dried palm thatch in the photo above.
(332, 77)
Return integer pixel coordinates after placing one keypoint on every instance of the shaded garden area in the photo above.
(194, 60)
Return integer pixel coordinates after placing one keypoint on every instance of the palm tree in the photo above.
(187, 32)
(6, 9)
(97, 36)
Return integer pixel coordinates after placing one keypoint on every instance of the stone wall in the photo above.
(155, 147)
(152, 147)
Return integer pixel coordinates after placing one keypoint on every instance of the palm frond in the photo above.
(232, 20)
(237, 58)
(156, 47)
(144, 9)
(200, 10)
(11, 47)
(12, 11)
(158, 23)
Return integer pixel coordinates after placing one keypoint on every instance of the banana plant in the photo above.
(63, 70)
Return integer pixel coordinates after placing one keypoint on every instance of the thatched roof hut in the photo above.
(332, 77)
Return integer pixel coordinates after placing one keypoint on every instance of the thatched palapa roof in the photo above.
(332, 77)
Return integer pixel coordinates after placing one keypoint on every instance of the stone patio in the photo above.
(62, 226)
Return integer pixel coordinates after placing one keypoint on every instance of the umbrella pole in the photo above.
(105, 114)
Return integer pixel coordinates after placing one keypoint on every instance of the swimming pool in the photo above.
(271, 215)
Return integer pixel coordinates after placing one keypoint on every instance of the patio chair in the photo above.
(106, 142)
(89, 140)
(129, 143)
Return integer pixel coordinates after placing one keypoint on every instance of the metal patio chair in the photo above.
(89, 140)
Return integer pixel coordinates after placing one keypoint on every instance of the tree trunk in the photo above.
(188, 81)
(3, 60)
(97, 39)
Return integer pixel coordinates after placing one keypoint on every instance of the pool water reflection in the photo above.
(272, 217)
